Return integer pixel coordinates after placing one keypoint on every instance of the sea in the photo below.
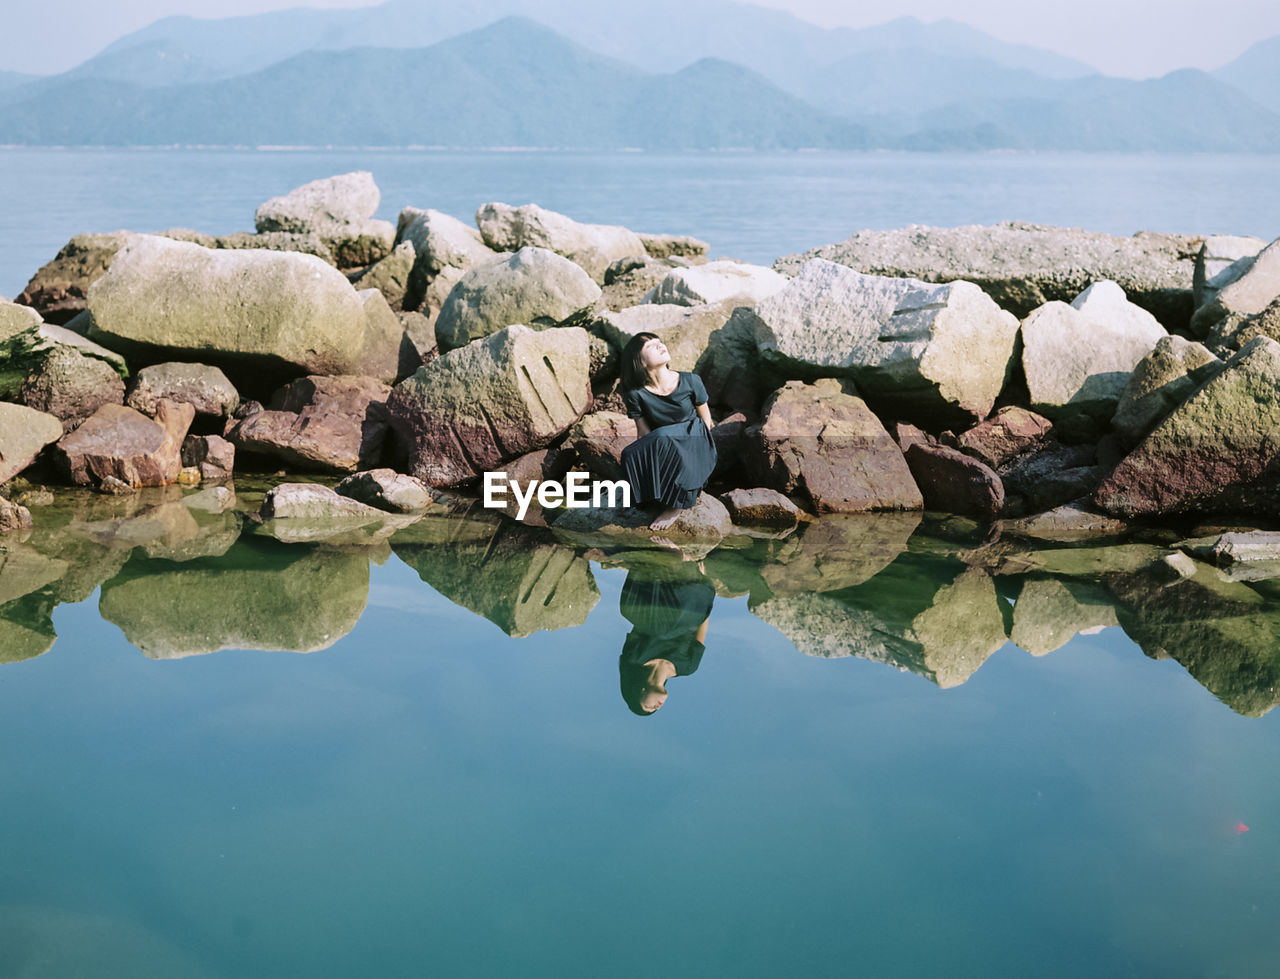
(900, 745)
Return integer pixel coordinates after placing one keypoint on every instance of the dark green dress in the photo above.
(673, 462)
(666, 616)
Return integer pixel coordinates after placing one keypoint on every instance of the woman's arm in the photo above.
(705, 414)
(642, 428)
(701, 634)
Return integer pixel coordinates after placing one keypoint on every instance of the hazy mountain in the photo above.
(514, 83)
(14, 79)
(1257, 73)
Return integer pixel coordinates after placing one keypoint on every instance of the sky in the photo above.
(1127, 38)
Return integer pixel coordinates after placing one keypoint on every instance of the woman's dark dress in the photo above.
(666, 616)
(673, 462)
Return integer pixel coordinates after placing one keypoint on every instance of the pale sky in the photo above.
(1119, 37)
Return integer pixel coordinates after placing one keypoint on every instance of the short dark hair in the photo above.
(633, 374)
(633, 679)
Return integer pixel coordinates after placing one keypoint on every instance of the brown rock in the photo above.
(13, 517)
(598, 439)
(71, 386)
(761, 507)
(953, 482)
(1053, 475)
(214, 456)
(315, 439)
(58, 291)
(1010, 432)
(120, 442)
(828, 447)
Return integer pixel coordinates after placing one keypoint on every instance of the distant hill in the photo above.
(14, 79)
(1256, 73)
(514, 83)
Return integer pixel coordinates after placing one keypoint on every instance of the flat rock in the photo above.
(119, 442)
(953, 482)
(827, 447)
(314, 439)
(386, 489)
(205, 388)
(1065, 523)
(761, 507)
(71, 387)
(718, 282)
(534, 287)
(312, 501)
(1162, 380)
(471, 409)
(592, 246)
(1023, 266)
(924, 352)
(707, 520)
(309, 243)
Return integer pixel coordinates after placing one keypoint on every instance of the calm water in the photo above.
(450, 783)
(750, 206)
(867, 773)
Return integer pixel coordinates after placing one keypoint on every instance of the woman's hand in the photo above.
(705, 414)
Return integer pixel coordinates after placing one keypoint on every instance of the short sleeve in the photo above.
(631, 399)
(699, 389)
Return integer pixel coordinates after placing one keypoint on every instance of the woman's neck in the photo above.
(659, 377)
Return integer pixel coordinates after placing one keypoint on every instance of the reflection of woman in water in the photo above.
(670, 627)
(672, 458)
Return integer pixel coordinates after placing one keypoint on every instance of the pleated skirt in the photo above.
(671, 464)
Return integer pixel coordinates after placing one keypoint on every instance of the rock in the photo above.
(533, 287)
(121, 442)
(212, 455)
(826, 446)
(363, 245)
(294, 599)
(390, 276)
(924, 352)
(1163, 379)
(1236, 330)
(25, 342)
(686, 331)
(598, 439)
(731, 369)
(162, 298)
(761, 507)
(388, 354)
(280, 241)
(1180, 565)
(24, 432)
(1065, 523)
(519, 580)
(13, 517)
(440, 242)
(358, 396)
(341, 201)
(1220, 261)
(592, 246)
(1077, 359)
(311, 501)
(1251, 293)
(1050, 476)
(1009, 433)
(314, 439)
(420, 331)
(1049, 613)
(205, 388)
(718, 282)
(475, 407)
(953, 482)
(212, 500)
(629, 281)
(666, 246)
(59, 290)
(1023, 266)
(836, 551)
(71, 386)
(386, 489)
(1243, 548)
(907, 435)
(1215, 453)
(114, 486)
(1094, 563)
(706, 520)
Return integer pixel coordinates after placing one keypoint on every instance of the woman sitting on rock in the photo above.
(671, 460)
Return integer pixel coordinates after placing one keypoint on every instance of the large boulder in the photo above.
(1216, 452)
(60, 289)
(26, 341)
(440, 241)
(386, 489)
(119, 442)
(1248, 294)
(23, 433)
(926, 352)
(492, 400)
(1221, 260)
(71, 386)
(685, 330)
(1234, 332)
(534, 287)
(1023, 266)
(828, 448)
(278, 241)
(1077, 358)
(1163, 379)
(205, 388)
(717, 282)
(1009, 433)
(340, 211)
(592, 246)
(249, 312)
(953, 482)
(598, 439)
(390, 276)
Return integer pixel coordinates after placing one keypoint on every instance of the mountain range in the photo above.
(669, 74)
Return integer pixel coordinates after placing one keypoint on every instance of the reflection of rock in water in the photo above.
(1051, 611)
(517, 577)
(922, 613)
(838, 551)
(1224, 634)
(26, 626)
(259, 595)
(24, 570)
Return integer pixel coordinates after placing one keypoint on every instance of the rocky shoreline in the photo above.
(991, 372)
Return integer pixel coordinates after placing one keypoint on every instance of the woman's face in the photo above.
(654, 354)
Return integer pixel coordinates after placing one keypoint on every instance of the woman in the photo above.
(674, 454)
(669, 614)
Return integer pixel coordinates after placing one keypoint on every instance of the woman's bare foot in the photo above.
(665, 519)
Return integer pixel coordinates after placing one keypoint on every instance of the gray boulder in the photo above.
(1023, 266)
(278, 241)
(1221, 260)
(1163, 379)
(592, 246)
(685, 330)
(926, 352)
(717, 282)
(390, 276)
(204, 388)
(71, 387)
(669, 246)
(534, 287)
(440, 241)
(331, 204)
(25, 343)
(24, 432)
(472, 408)
(386, 489)
(1248, 294)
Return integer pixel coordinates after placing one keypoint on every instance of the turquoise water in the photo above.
(750, 206)
(426, 794)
